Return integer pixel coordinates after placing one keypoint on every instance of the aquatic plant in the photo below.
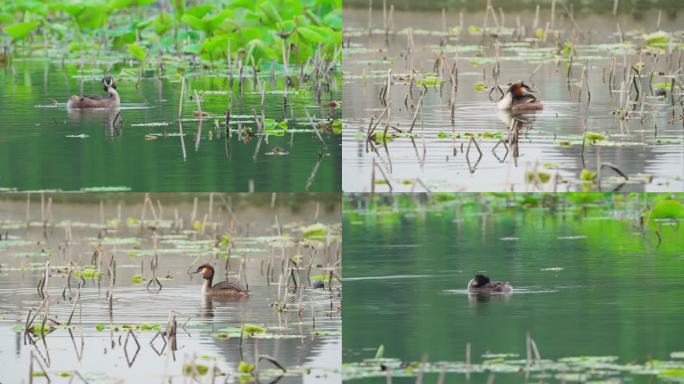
(246, 31)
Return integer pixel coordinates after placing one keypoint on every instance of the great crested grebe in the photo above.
(482, 284)
(109, 101)
(519, 98)
(224, 288)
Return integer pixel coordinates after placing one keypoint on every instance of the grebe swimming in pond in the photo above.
(519, 98)
(482, 284)
(224, 288)
(109, 101)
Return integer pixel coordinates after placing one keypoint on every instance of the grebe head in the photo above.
(206, 270)
(519, 96)
(519, 89)
(479, 281)
(108, 83)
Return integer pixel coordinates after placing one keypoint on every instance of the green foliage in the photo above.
(531, 177)
(88, 272)
(315, 230)
(123, 4)
(137, 51)
(587, 175)
(275, 128)
(253, 29)
(252, 329)
(594, 137)
(162, 24)
(567, 49)
(668, 209)
(479, 86)
(87, 15)
(657, 39)
(321, 277)
(19, 31)
(190, 369)
(430, 80)
(246, 367)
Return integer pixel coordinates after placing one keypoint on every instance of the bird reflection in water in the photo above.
(109, 117)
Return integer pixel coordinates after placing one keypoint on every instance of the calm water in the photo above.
(311, 352)
(582, 285)
(45, 146)
(437, 158)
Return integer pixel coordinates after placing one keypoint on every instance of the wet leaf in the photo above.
(587, 175)
(594, 136)
(137, 51)
(252, 329)
(657, 39)
(531, 177)
(190, 369)
(19, 31)
(246, 367)
(668, 209)
(479, 86)
(315, 230)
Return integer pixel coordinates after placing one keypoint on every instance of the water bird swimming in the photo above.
(224, 288)
(109, 101)
(519, 98)
(482, 284)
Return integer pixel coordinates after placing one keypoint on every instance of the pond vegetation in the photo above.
(98, 287)
(428, 84)
(248, 80)
(595, 277)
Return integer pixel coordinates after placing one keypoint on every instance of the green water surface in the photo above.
(46, 146)
(587, 280)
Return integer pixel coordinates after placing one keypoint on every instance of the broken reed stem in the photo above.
(444, 26)
(315, 129)
(285, 70)
(370, 18)
(199, 105)
(419, 106)
(384, 176)
(384, 16)
(180, 103)
(614, 168)
(379, 118)
(73, 308)
(387, 123)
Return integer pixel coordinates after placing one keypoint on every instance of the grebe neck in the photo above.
(206, 286)
(506, 101)
(113, 93)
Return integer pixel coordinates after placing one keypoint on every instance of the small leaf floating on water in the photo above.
(246, 367)
(594, 137)
(587, 175)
